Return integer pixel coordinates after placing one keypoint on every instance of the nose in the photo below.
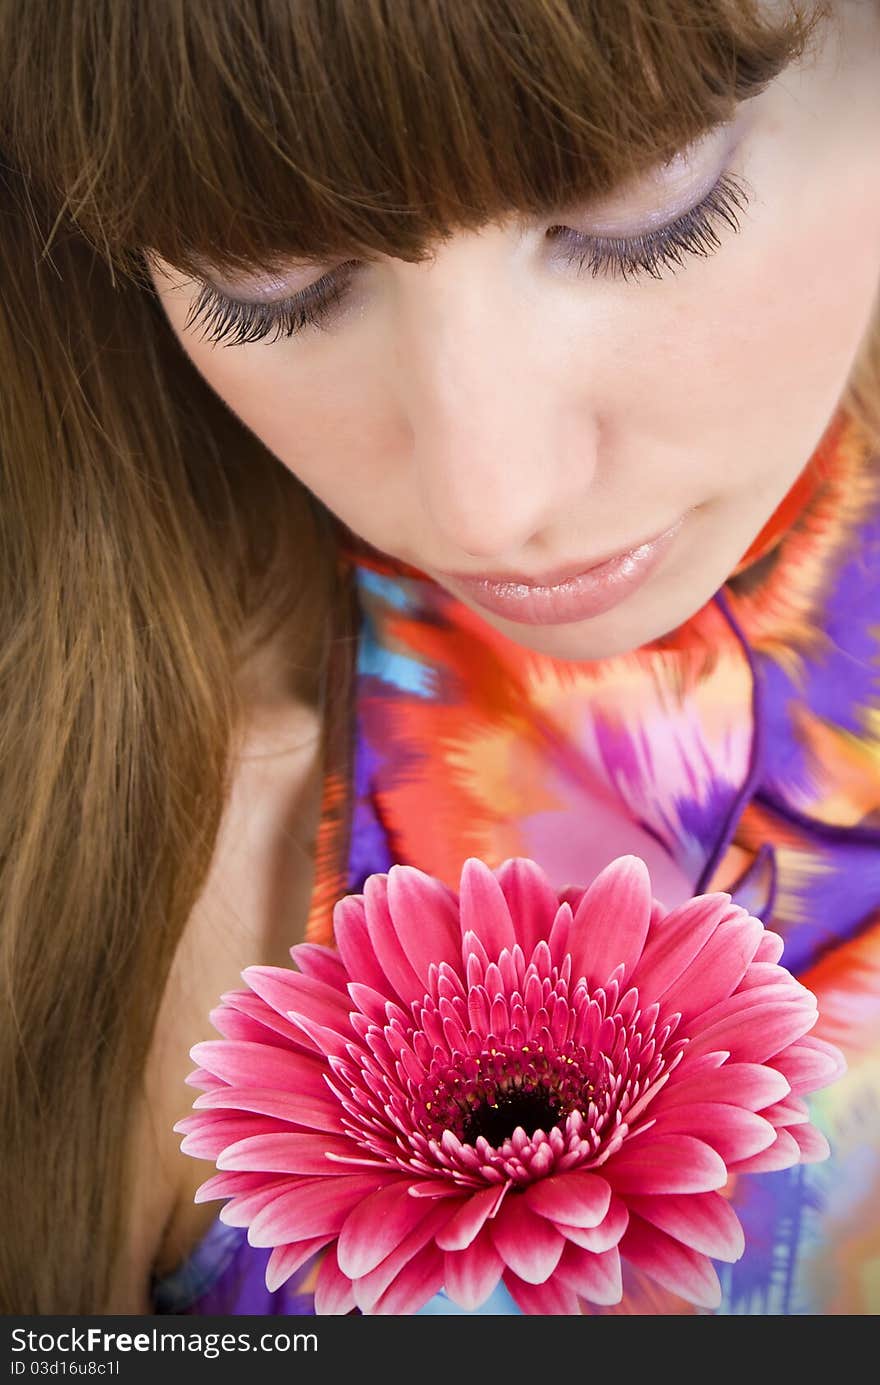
(502, 448)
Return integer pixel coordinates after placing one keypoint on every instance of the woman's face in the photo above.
(494, 410)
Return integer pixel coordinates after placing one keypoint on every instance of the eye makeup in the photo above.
(695, 233)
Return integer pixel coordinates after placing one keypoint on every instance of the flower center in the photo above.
(496, 1121)
(506, 1088)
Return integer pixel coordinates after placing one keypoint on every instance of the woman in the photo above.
(588, 276)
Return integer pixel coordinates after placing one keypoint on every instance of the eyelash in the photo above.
(235, 324)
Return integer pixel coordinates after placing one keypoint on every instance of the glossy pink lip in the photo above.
(569, 597)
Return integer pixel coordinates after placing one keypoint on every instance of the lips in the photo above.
(562, 598)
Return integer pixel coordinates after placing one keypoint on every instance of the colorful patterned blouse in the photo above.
(740, 752)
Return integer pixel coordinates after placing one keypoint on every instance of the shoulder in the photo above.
(252, 909)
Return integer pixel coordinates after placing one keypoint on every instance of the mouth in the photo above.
(569, 595)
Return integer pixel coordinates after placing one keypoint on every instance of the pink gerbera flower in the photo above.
(508, 1083)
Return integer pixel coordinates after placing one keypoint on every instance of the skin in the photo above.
(493, 409)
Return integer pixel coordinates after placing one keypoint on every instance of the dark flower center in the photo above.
(496, 1121)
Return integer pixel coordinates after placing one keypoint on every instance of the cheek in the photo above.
(311, 411)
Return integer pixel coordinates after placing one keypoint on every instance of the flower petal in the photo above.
(603, 1236)
(377, 1226)
(809, 1064)
(286, 1260)
(530, 897)
(751, 1085)
(813, 1145)
(242, 1210)
(289, 1152)
(333, 1292)
(470, 1218)
(484, 909)
(243, 1064)
(577, 1198)
(704, 1221)
(732, 1131)
(352, 937)
(436, 936)
(321, 962)
(782, 1154)
(417, 1282)
(471, 1275)
(386, 944)
(286, 990)
(611, 923)
(527, 1243)
(596, 1278)
(312, 1207)
(756, 1034)
(370, 1287)
(314, 1112)
(674, 943)
(552, 1298)
(717, 969)
(667, 1164)
(683, 1271)
(243, 1015)
(228, 1184)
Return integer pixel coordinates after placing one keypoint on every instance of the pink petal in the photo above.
(530, 898)
(596, 1278)
(207, 1140)
(716, 970)
(228, 1184)
(200, 1077)
(793, 1111)
(667, 1164)
(424, 912)
(611, 923)
(313, 1207)
(248, 1064)
(809, 1064)
(675, 942)
(417, 1282)
(704, 1221)
(471, 1275)
(770, 948)
(683, 1271)
(315, 1112)
(386, 944)
(527, 1243)
(370, 1287)
(782, 1154)
(242, 1210)
(558, 941)
(759, 974)
(355, 947)
(602, 1237)
(286, 990)
(812, 1143)
(323, 963)
(484, 909)
(265, 1026)
(288, 1153)
(733, 1132)
(577, 1199)
(286, 1260)
(469, 1220)
(758, 1033)
(751, 1085)
(377, 1226)
(553, 1298)
(333, 1292)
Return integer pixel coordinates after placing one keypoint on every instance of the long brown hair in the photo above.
(150, 544)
